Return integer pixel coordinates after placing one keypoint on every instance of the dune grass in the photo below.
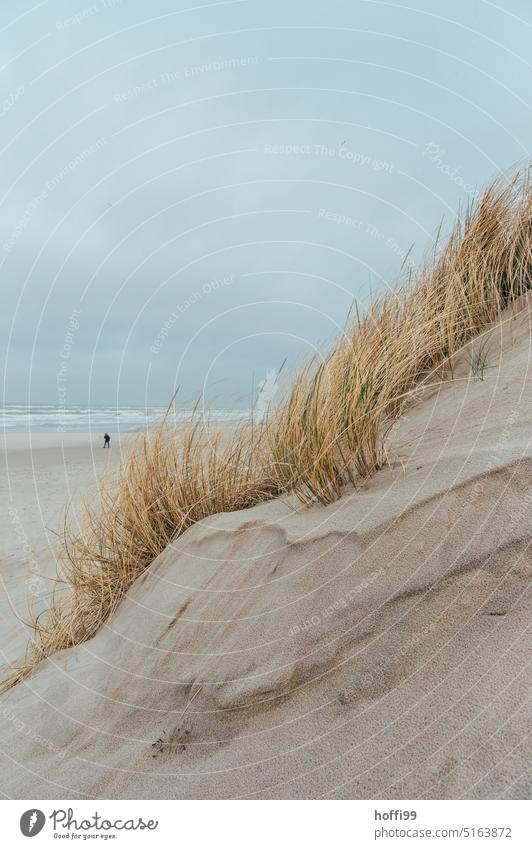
(329, 430)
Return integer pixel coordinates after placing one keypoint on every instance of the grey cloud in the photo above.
(301, 148)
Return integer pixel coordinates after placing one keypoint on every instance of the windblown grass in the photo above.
(329, 430)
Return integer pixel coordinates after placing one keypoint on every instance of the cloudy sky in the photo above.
(192, 192)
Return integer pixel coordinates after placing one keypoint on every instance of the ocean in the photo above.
(48, 418)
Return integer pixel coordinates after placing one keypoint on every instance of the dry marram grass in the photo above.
(329, 430)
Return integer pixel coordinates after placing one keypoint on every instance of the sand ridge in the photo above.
(377, 647)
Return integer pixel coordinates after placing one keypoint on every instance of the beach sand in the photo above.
(374, 648)
(39, 474)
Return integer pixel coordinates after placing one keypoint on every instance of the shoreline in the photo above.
(15, 440)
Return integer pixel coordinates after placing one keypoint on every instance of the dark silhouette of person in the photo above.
(106, 440)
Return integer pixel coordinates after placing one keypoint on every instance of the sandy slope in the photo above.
(374, 648)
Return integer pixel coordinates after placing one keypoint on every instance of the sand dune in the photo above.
(376, 647)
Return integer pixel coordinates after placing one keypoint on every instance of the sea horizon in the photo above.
(79, 418)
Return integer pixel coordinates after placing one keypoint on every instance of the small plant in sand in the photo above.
(328, 431)
(478, 361)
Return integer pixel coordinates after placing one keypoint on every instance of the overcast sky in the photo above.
(192, 192)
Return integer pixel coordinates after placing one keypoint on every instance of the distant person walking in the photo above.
(106, 440)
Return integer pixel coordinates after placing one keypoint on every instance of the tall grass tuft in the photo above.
(328, 431)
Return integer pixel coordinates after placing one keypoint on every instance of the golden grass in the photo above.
(329, 430)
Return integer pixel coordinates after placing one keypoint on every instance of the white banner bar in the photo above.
(267, 824)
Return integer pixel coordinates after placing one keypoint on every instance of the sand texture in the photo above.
(374, 648)
(39, 474)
